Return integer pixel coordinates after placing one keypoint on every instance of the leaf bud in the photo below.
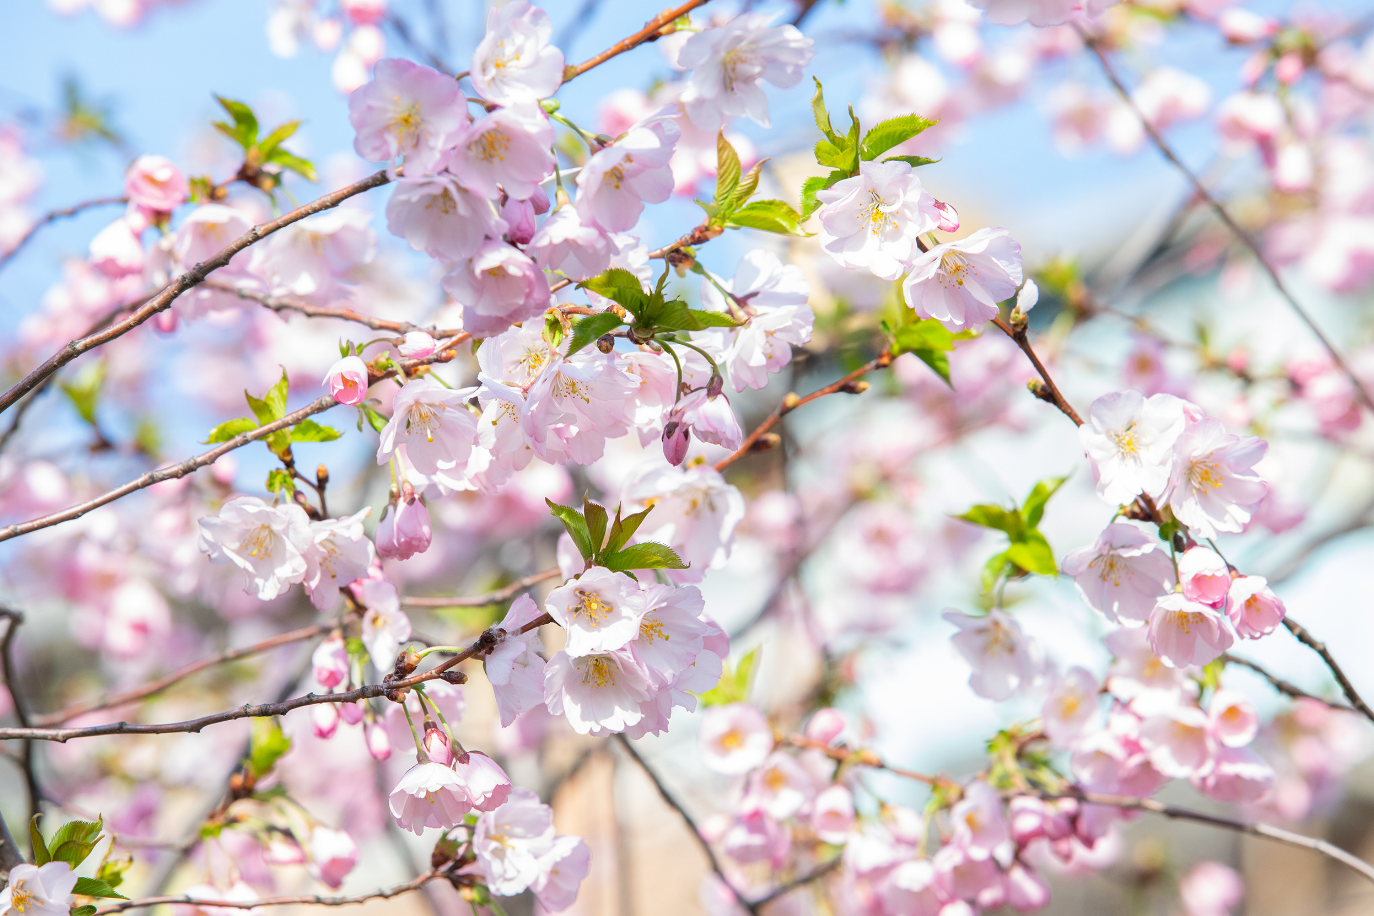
(791, 401)
(858, 387)
(322, 475)
(765, 442)
(605, 343)
(454, 676)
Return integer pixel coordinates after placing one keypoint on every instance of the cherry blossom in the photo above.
(735, 738)
(599, 694)
(571, 246)
(333, 853)
(498, 285)
(1253, 607)
(772, 298)
(730, 64)
(1204, 576)
(484, 782)
(407, 110)
(1071, 708)
(440, 217)
(960, 283)
(508, 150)
(432, 425)
(405, 531)
(515, 668)
(514, 63)
(429, 795)
(1210, 889)
(348, 380)
(1000, 654)
(1129, 440)
(268, 543)
(619, 179)
(41, 889)
(1122, 574)
(154, 183)
(338, 554)
(872, 220)
(1183, 632)
(1213, 487)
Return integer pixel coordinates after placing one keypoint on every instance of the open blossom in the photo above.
(781, 786)
(514, 63)
(1039, 12)
(730, 65)
(347, 380)
(1213, 488)
(959, 283)
(333, 853)
(309, 258)
(155, 183)
(614, 185)
(832, 815)
(1071, 707)
(1234, 775)
(1253, 607)
(339, 554)
(385, 625)
(429, 795)
(734, 738)
(568, 244)
(267, 542)
(1176, 741)
(599, 694)
(407, 110)
(562, 870)
(757, 837)
(116, 250)
(40, 890)
(600, 611)
(873, 219)
(1122, 574)
(669, 632)
(979, 823)
(1129, 440)
(1231, 719)
(514, 668)
(508, 150)
(433, 425)
(440, 217)
(695, 513)
(777, 317)
(486, 784)
(497, 286)
(999, 653)
(1184, 633)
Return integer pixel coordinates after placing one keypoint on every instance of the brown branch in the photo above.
(484, 644)
(10, 853)
(1051, 392)
(305, 900)
(492, 597)
(1225, 216)
(1281, 685)
(55, 215)
(289, 304)
(653, 30)
(1307, 639)
(192, 278)
(862, 757)
(21, 707)
(792, 402)
(818, 872)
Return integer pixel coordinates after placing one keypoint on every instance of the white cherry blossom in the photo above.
(873, 219)
(730, 65)
(267, 542)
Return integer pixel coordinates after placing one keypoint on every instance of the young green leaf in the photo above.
(992, 570)
(309, 431)
(112, 871)
(595, 515)
(1034, 508)
(591, 328)
(990, 516)
(929, 340)
(767, 216)
(1033, 554)
(832, 155)
(619, 285)
(624, 529)
(912, 161)
(276, 397)
(822, 115)
(268, 744)
(709, 319)
(84, 910)
(245, 128)
(892, 132)
(279, 480)
(727, 171)
(229, 429)
(747, 186)
(576, 525)
(270, 143)
(74, 841)
(302, 167)
(374, 418)
(553, 329)
(734, 684)
(41, 856)
(812, 186)
(643, 556)
(94, 887)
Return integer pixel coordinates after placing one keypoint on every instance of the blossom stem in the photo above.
(288, 304)
(677, 392)
(593, 143)
(452, 741)
(692, 346)
(419, 745)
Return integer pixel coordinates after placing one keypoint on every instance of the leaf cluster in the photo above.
(927, 338)
(267, 746)
(602, 540)
(732, 208)
(265, 154)
(73, 843)
(842, 153)
(1029, 552)
(653, 312)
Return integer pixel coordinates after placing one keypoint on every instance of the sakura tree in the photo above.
(526, 523)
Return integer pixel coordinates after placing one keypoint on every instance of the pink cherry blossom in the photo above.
(514, 63)
(497, 286)
(600, 694)
(562, 870)
(1071, 707)
(1213, 488)
(333, 853)
(1129, 440)
(959, 283)
(730, 64)
(329, 663)
(348, 380)
(1253, 607)
(514, 667)
(619, 179)
(568, 244)
(116, 250)
(1205, 577)
(832, 814)
(155, 183)
(437, 747)
(1211, 889)
(486, 784)
(1236, 775)
(872, 220)
(980, 826)
(429, 795)
(1122, 574)
(734, 738)
(999, 653)
(1183, 632)
(438, 216)
(508, 150)
(1232, 720)
(405, 531)
(407, 110)
(1176, 741)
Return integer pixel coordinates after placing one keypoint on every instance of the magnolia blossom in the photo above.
(1000, 654)
(348, 380)
(40, 890)
(959, 283)
(614, 185)
(155, 183)
(730, 65)
(568, 244)
(440, 217)
(775, 312)
(1122, 574)
(429, 795)
(599, 694)
(432, 424)
(873, 219)
(268, 543)
(497, 286)
(339, 554)
(1183, 632)
(509, 150)
(734, 738)
(1213, 487)
(407, 110)
(333, 853)
(514, 668)
(1129, 440)
(600, 611)
(514, 63)
(1253, 607)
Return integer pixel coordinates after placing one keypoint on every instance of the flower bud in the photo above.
(283, 850)
(347, 380)
(676, 437)
(1027, 297)
(949, 217)
(334, 853)
(352, 713)
(330, 663)
(417, 345)
(154, 183)
(826, 725)
(325, 718)
(405, 531)
(436, 746)
(605, 343)
(378, 742)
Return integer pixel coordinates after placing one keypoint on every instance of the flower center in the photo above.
(1127, 442)
(405, 123)
(997, 640)
(955, 266)
(258, 543)
(649, 630)
(424, 417)
(20, 899)
(591, 608)
(492, 146)
(1112, 568)
(598, 673)
(732, 740)
(1205, 475)
(875, 213)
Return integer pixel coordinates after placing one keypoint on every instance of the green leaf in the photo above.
(279, 480)
(112, 871)
(892, 132)
(852, 143)
(992, 570)
(595, 516)
(41, 856)
(592, 328)
(624, 529)
(671, 315)
(995, 517)
(74, 841)
(94, 887)
(822, 116)
(643, 556)
(87, 910)
(309, 431)
(810, 187)
(229, 429)
(832, 155)
(619, 285)
(1034, 508)
(709, 319)
(1033, 554)
(84, 391)
(374, 418)
(727, 171)
(276, 397)
(553, 329)
(929, 340)
(302, 167)
(734, 684)
(747, 186)
(913, 161)
(768, 216)
(245, 129)
(270, 143)
(268, 745)
(261, 409)
(576, 525)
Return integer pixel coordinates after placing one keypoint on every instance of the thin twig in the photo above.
(862, 757)
(307, 900)
(192, 278)
(290, 304)
(10, 853)
(1307, 639)
(1281, 685)
(53, 217)
(13, 619)
(1225, 216)
(492, 597)
(1052, 392)
(652, 31)
(818, 872)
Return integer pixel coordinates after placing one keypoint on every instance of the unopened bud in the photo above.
(1180, 542)
(406, 663)
(1040, 390)
(790, 402)
(715, 385)
(322, 475)
(605, 343)
(858, 387)
(639, 336)
(436, 745)
(453, 676)
(765, 442)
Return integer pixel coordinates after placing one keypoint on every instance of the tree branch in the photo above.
(492, 597)
(55, 215)
(652, 31)
(1281, 685)
(1051, 392)
(21, 707)
(192, 278)
(10, 853)
(1225, 216)
(1307, 639)
(818, 872)
(289, 304)
(306, 900)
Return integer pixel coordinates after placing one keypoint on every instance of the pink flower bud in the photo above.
(283, 850)
(1289, 68)
(378, 742)
(352, 713)
(437, 747)
(325, 719)
(347, 380)
(486, 784)
(832, 816)
(825, 725)
(540, 201)
(154, 183)
(363, 12)
(116, 250)
(1027, 817)
(1205, 576)
(949, 217)
(417, 345)
(405, 531)
(676, 437)
(334, 854)
(519, 216)
(330, 663)
(1253, 607)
